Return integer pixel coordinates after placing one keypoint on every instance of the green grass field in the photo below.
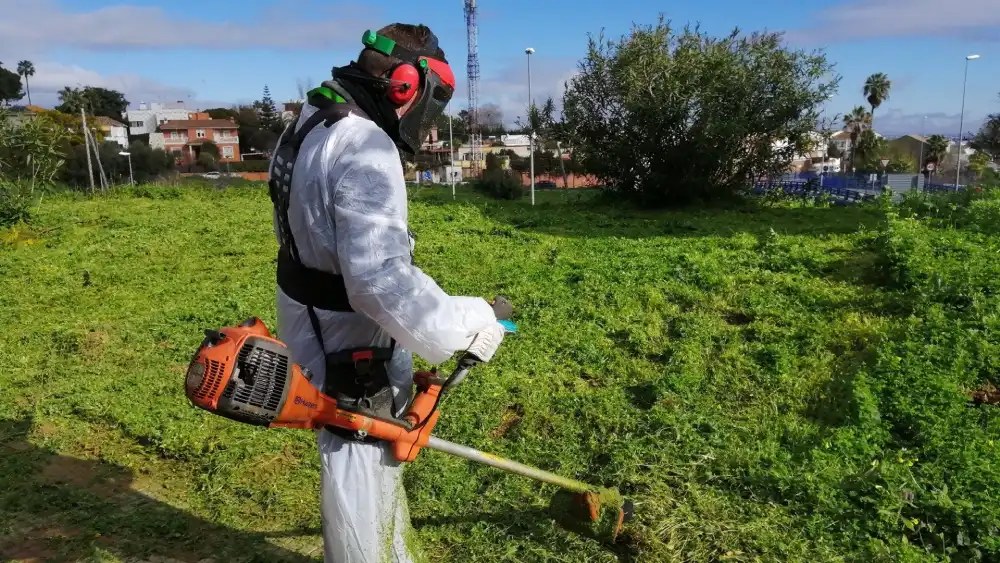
(786, 383)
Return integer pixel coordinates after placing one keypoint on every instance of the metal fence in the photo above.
(850, 189)
(839, 195)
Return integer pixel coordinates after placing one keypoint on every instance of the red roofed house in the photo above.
(184, 138)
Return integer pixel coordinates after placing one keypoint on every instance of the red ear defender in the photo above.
(405, 81)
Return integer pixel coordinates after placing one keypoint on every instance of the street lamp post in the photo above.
(961, 123)
(531, 133)
(451, 156)
(920, 163)
(131, 178)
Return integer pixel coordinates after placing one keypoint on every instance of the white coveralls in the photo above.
(348, 215)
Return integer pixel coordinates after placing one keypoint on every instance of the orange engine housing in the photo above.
(244, 374)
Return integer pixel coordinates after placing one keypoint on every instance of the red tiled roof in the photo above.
(199, 124)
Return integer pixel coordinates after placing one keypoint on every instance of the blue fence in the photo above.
(849, 189)
(815, 188)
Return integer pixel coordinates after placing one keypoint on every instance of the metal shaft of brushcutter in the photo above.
(472, 454)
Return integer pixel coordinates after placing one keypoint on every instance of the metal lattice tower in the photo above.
(475, 136)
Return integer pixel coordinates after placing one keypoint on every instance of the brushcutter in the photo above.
(244, 374)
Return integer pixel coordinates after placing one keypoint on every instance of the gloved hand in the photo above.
(485, 343)
(502, 308)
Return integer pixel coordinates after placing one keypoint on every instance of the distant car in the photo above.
(212, 175)
(545, 185)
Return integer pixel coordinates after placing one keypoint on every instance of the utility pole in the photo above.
(100, 167)
(451, 156)
(961, 126)
(531, 133)
(86, 141)
(923, 141)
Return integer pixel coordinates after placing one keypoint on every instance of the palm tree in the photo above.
(937, 147)
(877, 88)
(854, 123)
(26, 69)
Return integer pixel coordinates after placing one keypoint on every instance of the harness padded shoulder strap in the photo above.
(309, 286)
(313, 288)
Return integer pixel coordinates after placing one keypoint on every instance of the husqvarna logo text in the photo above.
(305, 403)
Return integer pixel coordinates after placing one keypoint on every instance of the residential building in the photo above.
(145, 119)
(21, 115)
(913, 146)
(816, 152)
(519, 144)
(113, 130)
(842, 140)
(184, 138)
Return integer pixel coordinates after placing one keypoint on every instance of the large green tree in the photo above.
(10, 87)
(270, 119)
(26, 69)
(666, 117)
(876, 90)
(94, 100)
(987, 140)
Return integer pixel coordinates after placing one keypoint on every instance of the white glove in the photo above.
(485, 343)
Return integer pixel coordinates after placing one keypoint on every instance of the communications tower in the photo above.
(475, 136)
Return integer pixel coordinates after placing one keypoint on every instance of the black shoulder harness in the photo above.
(315, 288)
(356, 378)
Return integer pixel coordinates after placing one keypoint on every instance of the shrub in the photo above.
(207, 162)
(501, 184)
(208, 147)
(30, 157)
(664, 118)
(249, 166)
(15, 202)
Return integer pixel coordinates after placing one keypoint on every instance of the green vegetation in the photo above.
(777, 383)
(666, 117)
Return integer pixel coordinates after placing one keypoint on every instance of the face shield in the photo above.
(437, 85)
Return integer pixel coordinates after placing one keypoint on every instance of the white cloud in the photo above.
(895, 122)
(34, 26)
(50, 77)
(31, 29)
(968, 19)
(507, 87)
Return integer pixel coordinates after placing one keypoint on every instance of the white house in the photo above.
(148, 117)
(113, 130)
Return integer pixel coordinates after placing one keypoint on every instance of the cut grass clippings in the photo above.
(784, 383)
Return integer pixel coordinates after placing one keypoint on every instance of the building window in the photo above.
(227, 151)
(137, 124)
(200, 133)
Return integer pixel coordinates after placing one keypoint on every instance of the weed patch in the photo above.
(791, 382)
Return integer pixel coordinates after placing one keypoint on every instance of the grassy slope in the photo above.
(698, 361)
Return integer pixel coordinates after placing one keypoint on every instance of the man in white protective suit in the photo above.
(352, 306)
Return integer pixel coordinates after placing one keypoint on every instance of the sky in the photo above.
(211, 53)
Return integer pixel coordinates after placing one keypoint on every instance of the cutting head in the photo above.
(599, 513)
